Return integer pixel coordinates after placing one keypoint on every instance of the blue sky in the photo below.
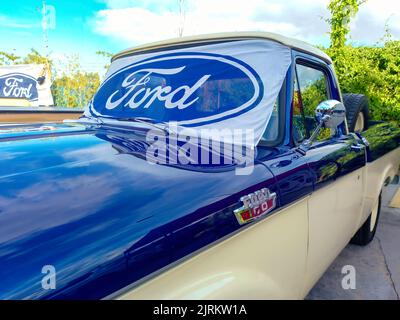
(21, 29)
(86, 26)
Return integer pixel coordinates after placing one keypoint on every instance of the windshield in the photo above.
(228, 85)
(160, 94)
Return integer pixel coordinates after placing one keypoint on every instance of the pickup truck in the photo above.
(91, 209)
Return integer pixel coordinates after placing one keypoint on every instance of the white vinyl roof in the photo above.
(290, 42)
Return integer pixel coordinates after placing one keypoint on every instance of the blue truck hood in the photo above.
(84, 201)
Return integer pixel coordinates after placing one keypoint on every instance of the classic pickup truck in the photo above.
(95, 208)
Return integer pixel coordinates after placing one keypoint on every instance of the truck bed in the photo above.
(37, 114)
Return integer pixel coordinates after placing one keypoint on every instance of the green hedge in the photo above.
(373, 71)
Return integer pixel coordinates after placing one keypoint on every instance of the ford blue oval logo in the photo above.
(190, 88)
(18, 86)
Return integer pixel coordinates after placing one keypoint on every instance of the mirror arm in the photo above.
(329, 114)
(308, 143)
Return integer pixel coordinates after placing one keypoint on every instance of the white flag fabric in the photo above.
(226, 85)
(20, 82)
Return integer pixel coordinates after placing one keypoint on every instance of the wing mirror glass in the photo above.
(329, 114)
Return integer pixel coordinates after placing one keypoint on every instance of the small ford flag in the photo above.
(20, 82)
(18, 86)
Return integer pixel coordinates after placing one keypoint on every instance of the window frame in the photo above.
(319, 66)
(282, 96)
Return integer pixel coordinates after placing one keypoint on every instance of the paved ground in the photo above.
(377, 265)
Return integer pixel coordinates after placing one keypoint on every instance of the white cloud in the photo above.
(136, 25)
(369, 24)
(17, 24)
(135, 22)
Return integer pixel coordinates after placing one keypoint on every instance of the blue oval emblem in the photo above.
(18, 86)
(190, 88)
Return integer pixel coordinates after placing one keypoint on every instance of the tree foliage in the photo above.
(341, 13)
(74, 87)
(7, 58)
(34, 57)
(373, 71)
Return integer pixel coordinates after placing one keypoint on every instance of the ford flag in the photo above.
(233, 84)
(18, 86)
(20, 82)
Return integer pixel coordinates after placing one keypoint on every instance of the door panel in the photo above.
(337, 164)
(293, 176)
(336, 203)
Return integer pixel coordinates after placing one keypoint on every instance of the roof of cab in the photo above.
(290, 42)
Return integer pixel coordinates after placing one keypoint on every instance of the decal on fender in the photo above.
(255, 205)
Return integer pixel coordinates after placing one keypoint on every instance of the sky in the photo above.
(82, 27)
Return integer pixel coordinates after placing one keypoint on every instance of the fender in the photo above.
(241, 266)
(379, 173)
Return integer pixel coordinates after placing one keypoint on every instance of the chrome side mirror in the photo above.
(329, 114)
